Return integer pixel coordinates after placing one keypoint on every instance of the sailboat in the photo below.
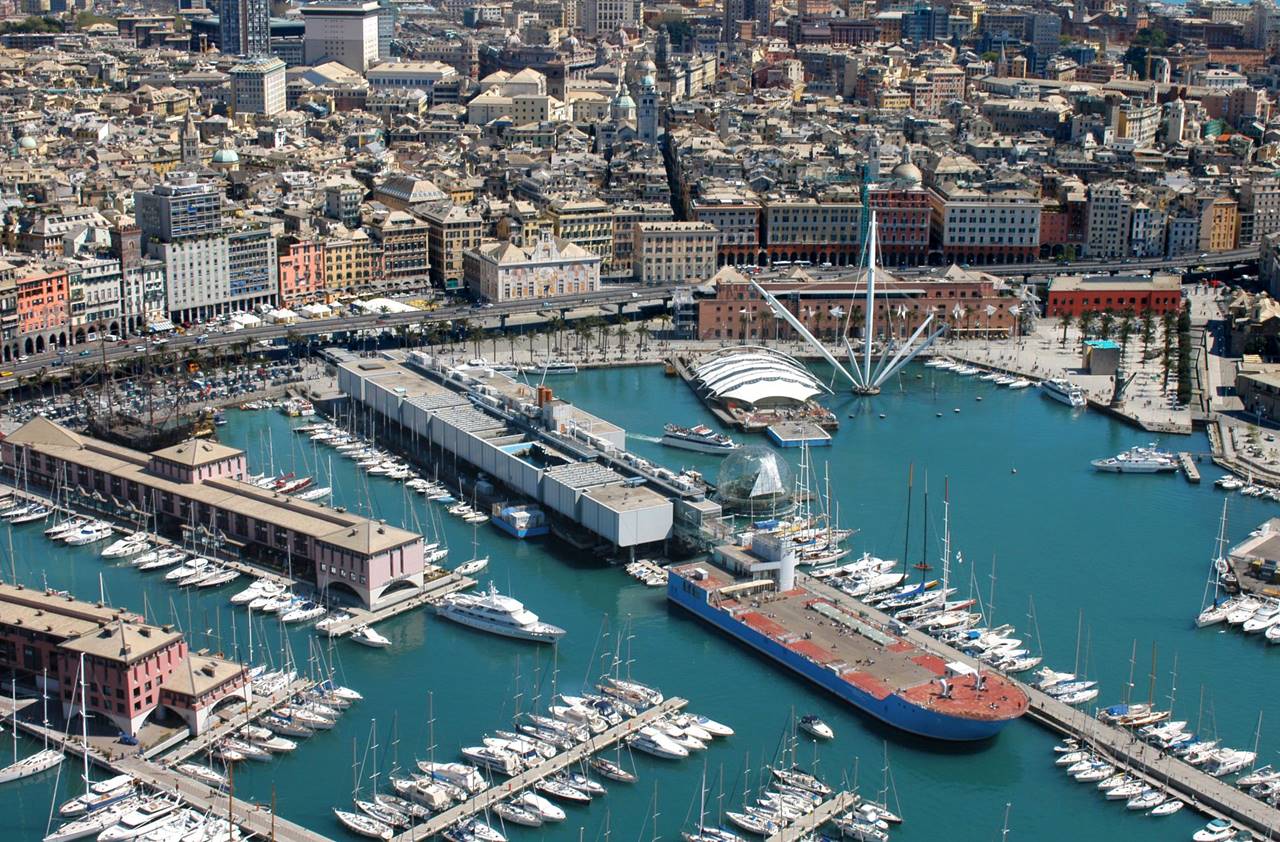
(1215, 612)
(42, 760)
(476, 563)
(703, 833)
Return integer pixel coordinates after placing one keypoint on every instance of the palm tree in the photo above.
(474, 335)
(642, 331)
(1106, 324)
(1166, 353)
(1148, 328)
(1126, 330)
(556, 326)
(1066, 325)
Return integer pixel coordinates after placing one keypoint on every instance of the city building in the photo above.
(342, 554)
(244, 27)
(402, 239)
(675, 252)
(451, 230)
(550, 266)
(257, 86)
(132, 671)
(1075, 294)
(345, 32)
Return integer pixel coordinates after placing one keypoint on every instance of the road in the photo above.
(1178, 264)
(120, 352)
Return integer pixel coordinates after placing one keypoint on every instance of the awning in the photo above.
(159, 325)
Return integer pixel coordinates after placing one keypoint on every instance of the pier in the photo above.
(1189, 470)
(237, 718)
(499, 792)
(253, 819)
(1201, 792)
(823, 813)
(432, 590)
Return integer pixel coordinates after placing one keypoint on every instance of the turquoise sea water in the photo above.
(1131, 552)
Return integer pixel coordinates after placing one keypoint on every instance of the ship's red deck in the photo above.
(878, 669)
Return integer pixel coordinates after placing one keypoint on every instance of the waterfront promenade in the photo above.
(498, 792)
(1205, 794)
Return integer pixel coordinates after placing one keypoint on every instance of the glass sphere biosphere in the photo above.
(755, 480)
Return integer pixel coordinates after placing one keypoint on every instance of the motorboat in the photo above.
(148, 816)
(304, 612)
(1168, 808)
(1217, 830)
(562, 791)
(651, 741)
(94, 823)
(460, 775)
(711, 726)
(190, 568)
(545, 810)
(1064, 391)
(89, 534)
(815, 727)
(1261, 775)
(582, 783)
(499, 760)
(258, 589)
(498, 614)
(203, 774)
(1267, 615)
(127, 546)
(367, 636)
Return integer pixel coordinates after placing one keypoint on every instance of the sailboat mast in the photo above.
(871, 298)
(906, 533)
(946, 535)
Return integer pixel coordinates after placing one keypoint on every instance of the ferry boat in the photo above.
(700, 438)
(1138, 460)
(550, 368)
(521, 521)
(498, 614)
(868, 665)
(1064, 391)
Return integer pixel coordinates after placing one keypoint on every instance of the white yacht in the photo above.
(1264, 618)
(700, 438)
(498, 614)
(1138, 460)
(1064, 391)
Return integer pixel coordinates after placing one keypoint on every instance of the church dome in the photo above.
(908, 171)
(226, 156)
(27, 142)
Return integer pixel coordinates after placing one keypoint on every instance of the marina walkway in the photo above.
(823, 813)
(432, 590)
(237, 718)
(498, 792)
(255, 819)
(1203, 793)
(252, 818)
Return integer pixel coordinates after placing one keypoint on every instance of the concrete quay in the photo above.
(579, 753)
(432, 591)
(1203, 793)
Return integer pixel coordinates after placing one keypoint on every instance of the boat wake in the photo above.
(641, 437)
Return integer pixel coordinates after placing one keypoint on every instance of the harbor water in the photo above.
(1127, 553)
